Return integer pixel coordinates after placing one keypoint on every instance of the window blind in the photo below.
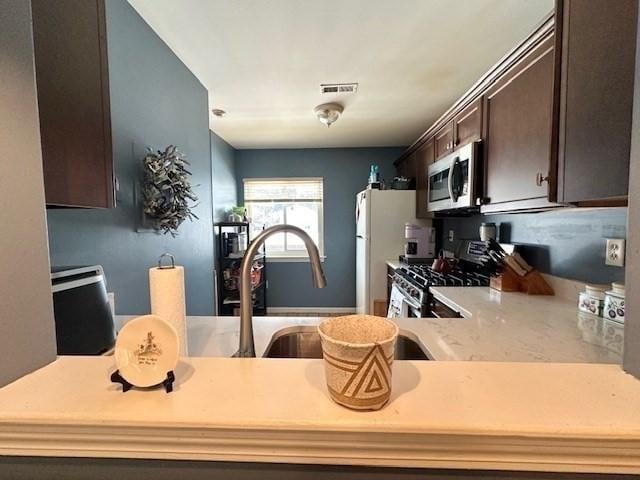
(283, 190)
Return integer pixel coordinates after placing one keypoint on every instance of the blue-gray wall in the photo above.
(223, 165)
(155, 101)
(345, 172)
(568, 243)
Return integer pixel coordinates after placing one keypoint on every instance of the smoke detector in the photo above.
(328, 113)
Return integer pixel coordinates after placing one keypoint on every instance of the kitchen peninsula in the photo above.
(571, 417)
(477, 415)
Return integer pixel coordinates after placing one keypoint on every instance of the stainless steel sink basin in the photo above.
(304, 342)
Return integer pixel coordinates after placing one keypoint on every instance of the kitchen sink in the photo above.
(304, 342)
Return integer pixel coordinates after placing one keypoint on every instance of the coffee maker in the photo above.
(419, 243)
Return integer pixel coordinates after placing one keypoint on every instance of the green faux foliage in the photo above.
(167, 192)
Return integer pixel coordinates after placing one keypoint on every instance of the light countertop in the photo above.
(569, 417)
(480, 415)
(509, 327)
(395, 264)
(516, 327)
(220, 336)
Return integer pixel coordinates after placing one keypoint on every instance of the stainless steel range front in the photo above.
(410, 289)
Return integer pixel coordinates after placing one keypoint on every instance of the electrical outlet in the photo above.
(451, 235)
(614, 255)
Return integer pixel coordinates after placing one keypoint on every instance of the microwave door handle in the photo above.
(452, 169)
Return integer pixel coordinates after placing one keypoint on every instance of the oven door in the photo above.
(402, 305)
(451, 181)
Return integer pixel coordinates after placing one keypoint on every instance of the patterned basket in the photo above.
(358, 353)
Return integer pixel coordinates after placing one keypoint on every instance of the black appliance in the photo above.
(413, 281)
(83, 317)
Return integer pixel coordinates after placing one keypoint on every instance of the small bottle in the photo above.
(245, 218)
(374, 177)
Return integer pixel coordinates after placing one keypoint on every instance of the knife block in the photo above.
(507, 281)
(533, 283)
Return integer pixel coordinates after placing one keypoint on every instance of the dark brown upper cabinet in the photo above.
(425, 156)
(554, 114)
(467, 125)
(73, 101)
(407, 166)
(443, 140)
(595, 72)
(518, 137)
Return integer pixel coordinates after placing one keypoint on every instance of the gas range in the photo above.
(413, 281)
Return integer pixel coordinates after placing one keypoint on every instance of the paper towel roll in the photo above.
(166, 288)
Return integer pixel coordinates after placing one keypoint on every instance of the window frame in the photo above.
(291, 255)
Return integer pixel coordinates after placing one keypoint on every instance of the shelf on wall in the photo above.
(231, 224)
(260, 256)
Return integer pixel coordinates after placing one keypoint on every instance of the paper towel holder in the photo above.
(164, 267)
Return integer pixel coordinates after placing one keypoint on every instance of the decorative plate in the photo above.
(146, 349)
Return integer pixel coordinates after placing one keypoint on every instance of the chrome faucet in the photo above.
(247, 347)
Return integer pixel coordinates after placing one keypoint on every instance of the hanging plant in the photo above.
(166, 189)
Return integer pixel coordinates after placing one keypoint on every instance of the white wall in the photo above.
(27, 332)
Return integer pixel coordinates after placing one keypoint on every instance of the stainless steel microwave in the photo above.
(454, 181)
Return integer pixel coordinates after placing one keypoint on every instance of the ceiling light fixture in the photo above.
(328, 113)
(218, 112)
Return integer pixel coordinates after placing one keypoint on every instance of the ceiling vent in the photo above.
(338, 88)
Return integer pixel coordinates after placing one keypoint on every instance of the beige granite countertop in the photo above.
(516, 327)
(395, 264)
(559, 417)
(469, 415)
(509, 327)
(220, 336)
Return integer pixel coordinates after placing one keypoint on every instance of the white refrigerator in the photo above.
(380, 219)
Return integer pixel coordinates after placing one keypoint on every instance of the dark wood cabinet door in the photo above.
(425, 156)
(467, 125)
(596, 98)
(73, 101)
(443, 141)
(402, 169)
(519, 113)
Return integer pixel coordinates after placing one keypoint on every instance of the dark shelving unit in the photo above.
(228, 233)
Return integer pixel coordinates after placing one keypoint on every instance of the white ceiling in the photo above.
(263, 61)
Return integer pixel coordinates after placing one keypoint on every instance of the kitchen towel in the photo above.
(166, 288)
(398, 308)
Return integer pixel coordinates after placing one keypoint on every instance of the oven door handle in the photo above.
(408, 299)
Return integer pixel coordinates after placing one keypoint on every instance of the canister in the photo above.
(614, 303)
(487, 231)
(592, 300)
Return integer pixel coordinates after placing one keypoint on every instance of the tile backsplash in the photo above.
(568, 243)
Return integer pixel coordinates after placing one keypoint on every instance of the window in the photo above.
(294, 201)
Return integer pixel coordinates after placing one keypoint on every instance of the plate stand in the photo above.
(167, 383)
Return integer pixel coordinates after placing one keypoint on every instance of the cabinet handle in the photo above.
(540, 179)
